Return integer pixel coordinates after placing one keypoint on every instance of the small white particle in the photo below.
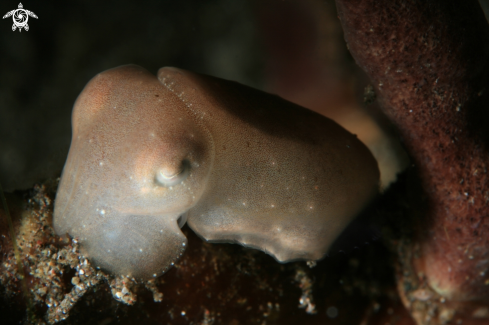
(183, 312)
(141, 250)
(102, 212)
(101, 163)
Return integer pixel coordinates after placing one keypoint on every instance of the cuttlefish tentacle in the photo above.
(238, 164)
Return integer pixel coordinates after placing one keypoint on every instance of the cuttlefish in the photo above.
(236, 164)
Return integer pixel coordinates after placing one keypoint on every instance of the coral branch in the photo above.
(428, 60)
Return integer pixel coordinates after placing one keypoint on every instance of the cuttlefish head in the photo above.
(138, 161)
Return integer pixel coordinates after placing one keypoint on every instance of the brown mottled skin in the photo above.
(428, 61)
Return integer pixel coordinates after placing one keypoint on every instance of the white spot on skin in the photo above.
(101, 163)
(102, 212)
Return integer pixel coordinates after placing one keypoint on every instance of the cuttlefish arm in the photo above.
(238, 164)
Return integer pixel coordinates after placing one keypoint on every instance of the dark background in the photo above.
(43, 70)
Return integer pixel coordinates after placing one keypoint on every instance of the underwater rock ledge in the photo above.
(211, 283)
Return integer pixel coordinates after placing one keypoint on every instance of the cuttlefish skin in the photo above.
(239, 164)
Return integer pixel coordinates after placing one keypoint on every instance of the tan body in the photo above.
(241, 165)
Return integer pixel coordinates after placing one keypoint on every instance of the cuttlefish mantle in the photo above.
(237, 164)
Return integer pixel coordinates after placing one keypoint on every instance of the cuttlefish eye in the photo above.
(169, 176)
(238, 165)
